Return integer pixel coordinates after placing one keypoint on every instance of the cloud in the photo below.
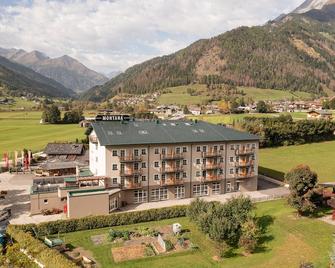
(115, 34)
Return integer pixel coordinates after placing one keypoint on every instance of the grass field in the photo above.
(287, 242)
(19, 130)
(319, 156)
(180, 96)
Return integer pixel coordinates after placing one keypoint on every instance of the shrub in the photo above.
(34, 247)
(168, 245)
(95, 222)
(250, 236)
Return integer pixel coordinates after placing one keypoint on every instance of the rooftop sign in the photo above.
(112, 117)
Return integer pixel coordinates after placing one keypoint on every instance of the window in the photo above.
(45, 201)
(237, 146)
(113, 204)
(144, 165)
(184, 149)
(200, 190)
(220, 171)
(163, 151)
(198, 149)
(198, 161)
(221, 159)
(163, 176)
(179, 192)
(114, 153)
(204, 149)
(122, 153)
(156, 150)
(184, 162)
(198, 174)
(216, 188)
(248, 145)
(159, 194)
(156, 177)
(140, 196)
(215, 148)
(135, 166)
(237, 158)
(114, 180)
(177, 176)
(253, 157)
(232, 147)
(221, 148)
(144, 178)
(178, 150)
(228, 187)
(237, 186)
(231, 159)
(231, 171)
(143, 151)
(114, 166)
(156, 164)
(136, 179)
(135, 152)
(184, 175)
(253, 146)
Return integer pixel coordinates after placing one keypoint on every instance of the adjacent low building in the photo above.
(319, 115)
(133, 162)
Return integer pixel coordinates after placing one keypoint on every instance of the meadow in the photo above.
(19, 130)
(319, 156)
(287, 243)
(179, 96)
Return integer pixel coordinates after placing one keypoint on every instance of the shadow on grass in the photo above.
(275, 174)
(264, 223)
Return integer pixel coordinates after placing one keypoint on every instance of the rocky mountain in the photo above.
(21, 80)
(309, 5)
(65, 70)
(295, 53)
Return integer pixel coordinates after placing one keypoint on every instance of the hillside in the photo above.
(296, 53)
(66, 70)
(19, 79)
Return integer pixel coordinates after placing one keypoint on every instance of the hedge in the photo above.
(95, 222)
(35, 248)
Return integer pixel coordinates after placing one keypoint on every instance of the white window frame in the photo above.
(140, 196)
(228, 187)
(216, 188)
(200, 190)
(159, 194)
(156, 177)
(180, 192)
(116, 153)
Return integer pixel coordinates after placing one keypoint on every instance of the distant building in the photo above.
(195, 110)
(319, 114)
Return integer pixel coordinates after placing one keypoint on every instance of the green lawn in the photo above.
(287, 242)
(19, 130)
(319, 156)
(180, 96)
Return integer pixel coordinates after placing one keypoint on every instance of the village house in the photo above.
(319, 114)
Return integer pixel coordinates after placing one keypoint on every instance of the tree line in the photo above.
(283, 131)
(52, 115)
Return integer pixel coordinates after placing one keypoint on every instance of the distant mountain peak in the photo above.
(312, 4)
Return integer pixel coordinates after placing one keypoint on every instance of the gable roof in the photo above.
(64, 149)
(165, 132)
(321, 112)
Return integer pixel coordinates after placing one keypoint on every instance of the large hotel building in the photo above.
(133, 162)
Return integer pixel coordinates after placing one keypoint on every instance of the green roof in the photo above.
(165, 132)
(70, 179)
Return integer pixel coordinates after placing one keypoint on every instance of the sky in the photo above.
(111, 35)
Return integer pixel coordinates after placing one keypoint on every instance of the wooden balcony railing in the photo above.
(130, 172)
(169, 182)
(213, 178)
(212, 154)
(130, 159)
(244, 163)
(165, 170)
(245, 175)
(215, 166)
(132, 185)
(172, 156)
(245, 151)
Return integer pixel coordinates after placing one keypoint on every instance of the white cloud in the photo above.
(110, 35)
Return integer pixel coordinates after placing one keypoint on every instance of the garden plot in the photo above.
(147, 242)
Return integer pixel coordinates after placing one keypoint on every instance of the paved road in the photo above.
(18, 187)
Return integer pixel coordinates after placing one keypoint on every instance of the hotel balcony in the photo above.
(245, 151)
(172, 156)
(130, 172)
(212, 154)
(167, 170)
(209, 178)
(245, 175)
(209, 166)
(245, 163)
(129, 184)
(130, 159)
(172, 181)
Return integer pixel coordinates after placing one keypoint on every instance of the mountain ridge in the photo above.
(65, 69)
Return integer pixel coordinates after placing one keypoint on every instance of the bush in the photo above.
(168, 245)
(34, 247)
(95, 222)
